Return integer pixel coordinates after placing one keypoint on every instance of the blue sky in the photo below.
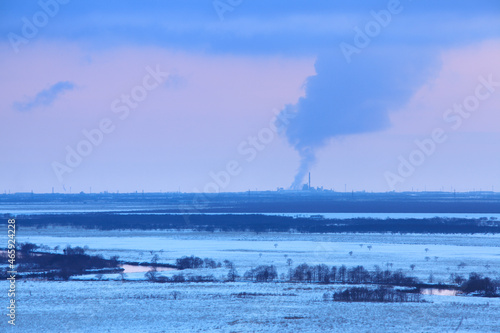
(237, 95)
(253, 27)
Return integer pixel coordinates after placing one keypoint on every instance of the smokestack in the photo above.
(366, 110)
(309, 180)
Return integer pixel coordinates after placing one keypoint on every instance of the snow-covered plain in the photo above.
(112, 306)
(141, 306)
(439, 255)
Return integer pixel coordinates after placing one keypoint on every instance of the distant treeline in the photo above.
(53, 266)
(304, 273)
(379, 295)
(326, 275)
(258, 223)
(358, 274)
(314, 201)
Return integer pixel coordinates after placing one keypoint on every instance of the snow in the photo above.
(136, 305)
(112, 306)
(480, 253)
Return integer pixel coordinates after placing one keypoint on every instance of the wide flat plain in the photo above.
(141, 306)
(113, 306)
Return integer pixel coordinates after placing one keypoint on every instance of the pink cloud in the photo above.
(184, 130)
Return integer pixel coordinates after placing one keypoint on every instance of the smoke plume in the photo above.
(349, 98)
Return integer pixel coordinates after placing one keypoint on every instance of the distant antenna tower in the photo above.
(309, 187)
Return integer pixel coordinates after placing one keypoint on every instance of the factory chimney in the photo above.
(309, 180)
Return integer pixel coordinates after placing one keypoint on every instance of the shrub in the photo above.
(476, 283)
(189, 262)
(381, 294)
(262, 273)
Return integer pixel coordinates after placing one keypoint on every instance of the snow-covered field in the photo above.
(111, 306)
(141, 306)
(439, 255)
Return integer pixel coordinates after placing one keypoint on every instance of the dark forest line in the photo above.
(257, 223)
(312, 201)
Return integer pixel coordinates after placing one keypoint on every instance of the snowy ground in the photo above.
(141, 306)
(111, 306)
(439, 255)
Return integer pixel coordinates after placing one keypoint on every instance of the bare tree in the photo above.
(152, 275)
(155, 259)
(228, 264)
(232, 275)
